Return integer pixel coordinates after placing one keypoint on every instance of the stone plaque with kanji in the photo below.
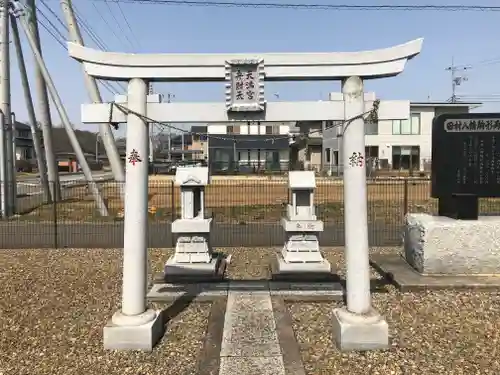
(245, 85)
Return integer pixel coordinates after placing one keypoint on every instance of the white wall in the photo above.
(255, 160)
(385, 140)
(253, 129)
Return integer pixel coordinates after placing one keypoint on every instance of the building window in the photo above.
(335, 158)
(23, 134)
(410, 126)
(406, 157)
(272, 129)
(233, 129)
(371, 128)
(327, 155)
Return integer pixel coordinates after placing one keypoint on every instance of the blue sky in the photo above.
(470, 37)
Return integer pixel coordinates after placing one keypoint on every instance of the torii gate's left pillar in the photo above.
(135, 327)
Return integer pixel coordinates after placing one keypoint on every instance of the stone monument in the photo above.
(301, 251)
(465, 167)
(193, 254)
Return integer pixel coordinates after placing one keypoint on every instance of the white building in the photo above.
(400, 138)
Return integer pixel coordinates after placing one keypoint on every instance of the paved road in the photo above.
(19, 234)
(27, 185)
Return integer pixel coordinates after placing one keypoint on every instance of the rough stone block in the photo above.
(141, 337)
(444, 246)
(360, 332)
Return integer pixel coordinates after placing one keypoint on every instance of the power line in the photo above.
(54, 14)
(88, 29)
(386, 7)
(490, 61)
(107, 2)
(106, 23)
(136, 40)
(105, 84)
(56, 29)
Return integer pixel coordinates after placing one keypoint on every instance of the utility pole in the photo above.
(44, 107)
(105, 132)
(169, 130)
(13, 169)
(62, 113)
(151, 130)
(10, 177)
(4, 106)
(37, 144)
(456, 80)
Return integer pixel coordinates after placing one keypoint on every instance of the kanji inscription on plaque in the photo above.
(245, 85)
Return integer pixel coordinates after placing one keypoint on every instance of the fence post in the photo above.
(54, 215)
(405, 199)
(174, 210)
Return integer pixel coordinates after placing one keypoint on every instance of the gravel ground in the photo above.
(253, 264)
(445, 333)
(67, 295)
(54, 305)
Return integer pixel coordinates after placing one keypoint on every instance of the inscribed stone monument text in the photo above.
(466, 155)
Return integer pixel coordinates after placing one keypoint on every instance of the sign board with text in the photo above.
(466, 155)
(245, 85)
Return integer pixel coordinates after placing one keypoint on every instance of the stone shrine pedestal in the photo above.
(301, 252)
(440, 245)
(193, 254)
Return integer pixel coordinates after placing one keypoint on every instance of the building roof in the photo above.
(199, 129)
(445, 104)
(22, 126)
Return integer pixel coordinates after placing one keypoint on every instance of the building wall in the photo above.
(255, 152)
(248, 150)
(282, 128)
(24, 153)
(201, 146)
(24, 142)
(385, 139)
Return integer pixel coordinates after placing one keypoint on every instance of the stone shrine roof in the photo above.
(301, 180)
(192, 176)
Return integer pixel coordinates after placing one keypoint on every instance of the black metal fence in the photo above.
(246, 212)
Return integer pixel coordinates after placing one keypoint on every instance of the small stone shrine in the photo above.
(465, 167)
(193, 254)
(301, 251)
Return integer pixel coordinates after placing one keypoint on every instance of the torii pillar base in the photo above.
(360, 332)
(140, 332)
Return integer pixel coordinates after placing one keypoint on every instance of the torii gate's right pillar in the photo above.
(357, 326)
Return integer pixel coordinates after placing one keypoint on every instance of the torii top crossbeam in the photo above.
(278, 66)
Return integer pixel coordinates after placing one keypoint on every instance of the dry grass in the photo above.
(257, 200)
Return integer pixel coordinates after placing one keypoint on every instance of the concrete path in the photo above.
(250, 344)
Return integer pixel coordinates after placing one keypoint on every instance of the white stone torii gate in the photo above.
(358, 326)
